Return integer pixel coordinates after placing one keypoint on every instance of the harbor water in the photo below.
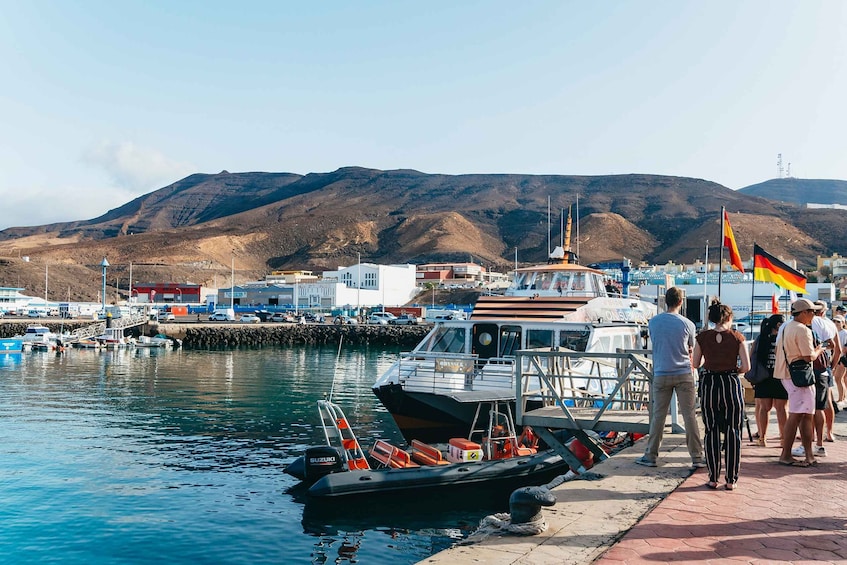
(148, 456)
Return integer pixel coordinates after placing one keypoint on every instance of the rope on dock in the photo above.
(503, 521)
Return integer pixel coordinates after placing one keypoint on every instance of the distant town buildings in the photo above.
(166, 292)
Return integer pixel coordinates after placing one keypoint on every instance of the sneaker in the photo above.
(820, 451)
(798, 451)
(698, 464)
(644, 461)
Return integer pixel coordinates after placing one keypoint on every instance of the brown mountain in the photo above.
(197, 228)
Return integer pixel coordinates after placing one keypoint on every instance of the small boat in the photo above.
(341, 467)
(114, 338)
(158, 340)
(11, 345)
(38, 337)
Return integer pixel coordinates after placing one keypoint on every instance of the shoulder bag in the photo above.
(758, 372)
(801, 371)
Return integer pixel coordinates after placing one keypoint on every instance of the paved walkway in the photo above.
(635, 514)
(779, 514)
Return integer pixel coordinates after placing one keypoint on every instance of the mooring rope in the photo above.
(503, 521)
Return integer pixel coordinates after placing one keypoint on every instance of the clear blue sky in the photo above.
(103, 101)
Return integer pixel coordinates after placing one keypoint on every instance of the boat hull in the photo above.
(518, 471)
(437, 417)
(11, 345)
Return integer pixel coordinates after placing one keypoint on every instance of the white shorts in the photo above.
(801, 400)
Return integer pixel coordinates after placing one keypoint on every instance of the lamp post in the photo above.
(179, 291)
(104, 263)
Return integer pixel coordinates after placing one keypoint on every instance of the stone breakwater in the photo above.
(211, 335)
(202, 336)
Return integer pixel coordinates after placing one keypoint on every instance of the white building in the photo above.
(368, 284)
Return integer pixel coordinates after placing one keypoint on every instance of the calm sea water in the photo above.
(147, 456)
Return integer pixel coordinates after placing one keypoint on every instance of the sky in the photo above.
(104, 101)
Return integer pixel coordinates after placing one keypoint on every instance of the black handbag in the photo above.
(802, 374)
(758, 372)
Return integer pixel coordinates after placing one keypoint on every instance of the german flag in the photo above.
(768, 268)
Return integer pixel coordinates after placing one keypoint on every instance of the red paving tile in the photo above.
(778, 515)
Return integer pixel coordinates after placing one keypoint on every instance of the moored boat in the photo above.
(158, 340)
(11, 345)
(434, 391)
(342, 468)
(114, 338)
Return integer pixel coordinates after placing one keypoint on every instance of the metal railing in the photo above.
(450, 372)
(585, 387)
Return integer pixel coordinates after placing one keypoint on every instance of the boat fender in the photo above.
(582, 453)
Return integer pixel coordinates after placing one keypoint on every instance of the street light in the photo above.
(104, 263)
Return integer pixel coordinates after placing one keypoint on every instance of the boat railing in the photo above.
(444, 372)
(581, 390)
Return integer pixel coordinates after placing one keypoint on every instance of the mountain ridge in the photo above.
(198, 227)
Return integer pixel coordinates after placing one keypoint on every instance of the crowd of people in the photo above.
(712, 363)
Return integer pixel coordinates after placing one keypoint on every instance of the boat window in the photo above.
(521, 281)
(448, 340)
(576, 340)
(560, 282)
(510, 340)
(539, 338)
(544, 280)
(578, 281)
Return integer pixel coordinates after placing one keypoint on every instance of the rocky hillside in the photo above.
(196, 229)
(800, 191)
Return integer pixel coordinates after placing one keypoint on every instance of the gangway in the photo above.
(581, 392)
(99, 328)
(88, 332)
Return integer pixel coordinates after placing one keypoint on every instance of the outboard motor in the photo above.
(321, 461)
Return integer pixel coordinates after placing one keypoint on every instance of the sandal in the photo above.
(794, 463)
(712, 485)
(761, 441)
(730, 486)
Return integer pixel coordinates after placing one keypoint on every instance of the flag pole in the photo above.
(753, 296)
(720, 255)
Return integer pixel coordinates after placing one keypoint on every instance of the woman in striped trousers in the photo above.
(724, 355)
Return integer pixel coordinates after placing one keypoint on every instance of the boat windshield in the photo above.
(446, 340)
(577, 340)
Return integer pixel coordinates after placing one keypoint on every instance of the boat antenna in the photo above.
(335, 371)
(577, 225)
(548, 225)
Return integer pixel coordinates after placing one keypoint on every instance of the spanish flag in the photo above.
(768, 268)
(729, 243)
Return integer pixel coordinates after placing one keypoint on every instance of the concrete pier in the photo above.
(635, 514)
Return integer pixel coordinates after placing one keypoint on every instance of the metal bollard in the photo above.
(525, 504)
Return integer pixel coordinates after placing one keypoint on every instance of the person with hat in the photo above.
(795, 342)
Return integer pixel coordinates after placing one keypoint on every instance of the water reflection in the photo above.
(142, 446)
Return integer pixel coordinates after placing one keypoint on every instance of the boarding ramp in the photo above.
(94, 330)
(88, 332)
(129, 321)
(581, 392)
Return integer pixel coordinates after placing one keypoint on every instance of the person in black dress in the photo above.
(769, 394)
